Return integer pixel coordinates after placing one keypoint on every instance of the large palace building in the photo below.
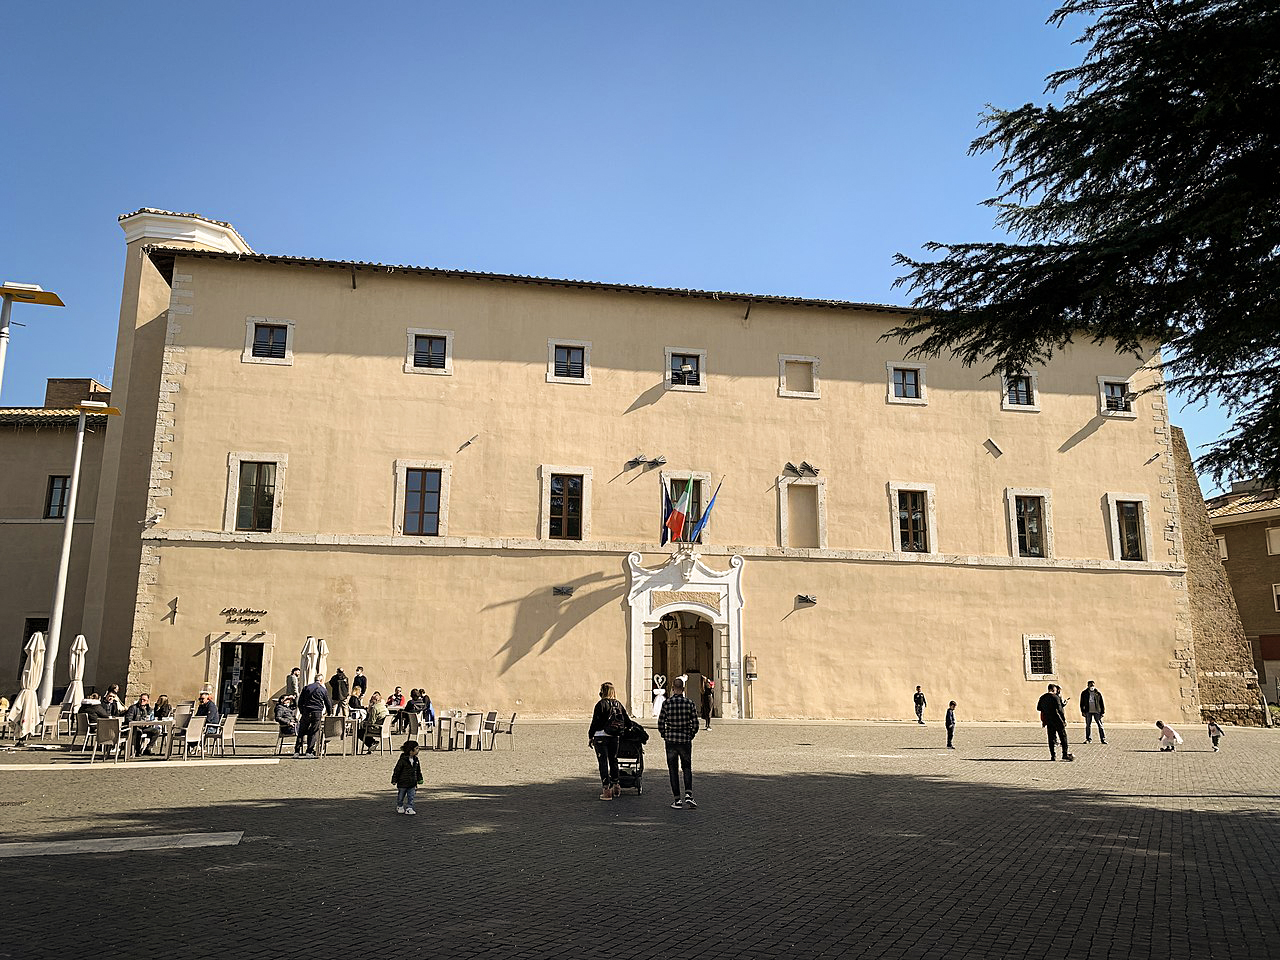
(459, 481)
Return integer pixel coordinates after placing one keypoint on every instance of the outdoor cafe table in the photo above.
(126, 731)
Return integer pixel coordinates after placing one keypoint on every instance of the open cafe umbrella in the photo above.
(75, 689)
(26, 706)
(310, 656)
(322, 658)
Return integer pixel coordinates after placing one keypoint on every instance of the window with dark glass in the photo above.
(913, 522)
(270, 340)
(257, 496)
(570, 362)
(906, 383)
(695, 504)
(1020, 392)
(1040, 653)
(685, 371)
(1030, 513)
(1117, 396)
(1129, 520)
(55, 501)
(422, 503)
(429, 352)
(565, 510)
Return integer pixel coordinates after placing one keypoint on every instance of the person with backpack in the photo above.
(609, 722)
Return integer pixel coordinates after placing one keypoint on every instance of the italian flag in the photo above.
(675, 522)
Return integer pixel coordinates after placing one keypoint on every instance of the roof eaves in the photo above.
(161, 252)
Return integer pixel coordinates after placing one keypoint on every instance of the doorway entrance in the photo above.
(684, 645)
(240, 679)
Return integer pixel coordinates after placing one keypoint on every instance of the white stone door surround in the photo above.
(684, 583)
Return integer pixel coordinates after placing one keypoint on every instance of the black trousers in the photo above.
(951, 732)
(607, 755)
(309, 728)
(677, 754)
(1059, 733)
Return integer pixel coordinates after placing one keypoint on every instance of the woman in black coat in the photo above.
(609, 721)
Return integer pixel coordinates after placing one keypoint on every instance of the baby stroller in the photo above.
(631, 757)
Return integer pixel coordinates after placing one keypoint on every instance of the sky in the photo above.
(748, 146)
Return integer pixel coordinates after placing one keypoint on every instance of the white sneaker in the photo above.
(410, 811)
(399, 809)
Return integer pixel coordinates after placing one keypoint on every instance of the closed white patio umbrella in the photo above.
(26, 706)
(75, 689)
(310, 656)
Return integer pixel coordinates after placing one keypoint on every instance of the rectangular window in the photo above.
(429, 352)
(55, 501)
(565, 509)
(913, 523)
(1222, 547)
(422, 503)
(1129, 523)
(1030, 516)
(270, 340)
(803, 522)
(256, 501)
(570, 362)
(1019, 391)
(1040, 656)
(1275, 596)
(1273, 541)
(1116, 396)
(695, 504)
(686, 369)
(798, 376)
(906, 383)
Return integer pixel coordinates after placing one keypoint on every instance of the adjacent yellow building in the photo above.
(459, 481)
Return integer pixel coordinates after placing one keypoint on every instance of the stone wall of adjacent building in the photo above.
(1225, 679)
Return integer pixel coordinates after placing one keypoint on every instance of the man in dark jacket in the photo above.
(1054, 721)
(313, 704)
(339, 687)
(137, 716)
(287, 716)
(1092, 708)
(678, 723)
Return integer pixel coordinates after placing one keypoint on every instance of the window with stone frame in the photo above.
(564, 511)
(255, 504)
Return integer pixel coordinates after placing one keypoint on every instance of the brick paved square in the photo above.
(818, 840)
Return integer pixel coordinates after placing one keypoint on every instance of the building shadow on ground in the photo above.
(815, 865)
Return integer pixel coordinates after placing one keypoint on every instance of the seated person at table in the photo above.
(137, 716)
(164, 709)
(94, 708)
(287, 716)
(373, 721)
(209, 710)
(401, 722)
(355, 705)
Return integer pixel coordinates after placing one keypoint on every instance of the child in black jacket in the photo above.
(406, 777)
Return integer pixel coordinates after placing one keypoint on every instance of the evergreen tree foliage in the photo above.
(1146, 210)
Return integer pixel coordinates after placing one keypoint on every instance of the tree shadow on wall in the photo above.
(871, 865)
(543, 619)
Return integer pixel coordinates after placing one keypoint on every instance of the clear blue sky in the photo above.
(748, 146)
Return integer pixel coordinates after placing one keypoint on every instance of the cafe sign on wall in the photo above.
(242, 614)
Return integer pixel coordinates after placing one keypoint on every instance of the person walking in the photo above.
(1215, 733)
(708, 698)
(1092, 708)
(921, 703)
(1054, 722)
(1169, 737)
(951, 724)
(407, 777)
(678, 724)
(609, 721)
(313, 704)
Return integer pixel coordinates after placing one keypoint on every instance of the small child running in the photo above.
(1169, 737)
(406, 777)
(1215, 734)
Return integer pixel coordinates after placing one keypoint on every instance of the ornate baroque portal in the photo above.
(685, 584)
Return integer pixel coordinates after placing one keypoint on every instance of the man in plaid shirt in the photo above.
(678, 723)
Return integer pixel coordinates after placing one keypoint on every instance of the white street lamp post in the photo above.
(60, 589)
(24, 293)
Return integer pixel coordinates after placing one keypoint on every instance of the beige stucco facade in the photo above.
(794, 410)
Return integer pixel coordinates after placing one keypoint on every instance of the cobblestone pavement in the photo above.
(814, 840)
